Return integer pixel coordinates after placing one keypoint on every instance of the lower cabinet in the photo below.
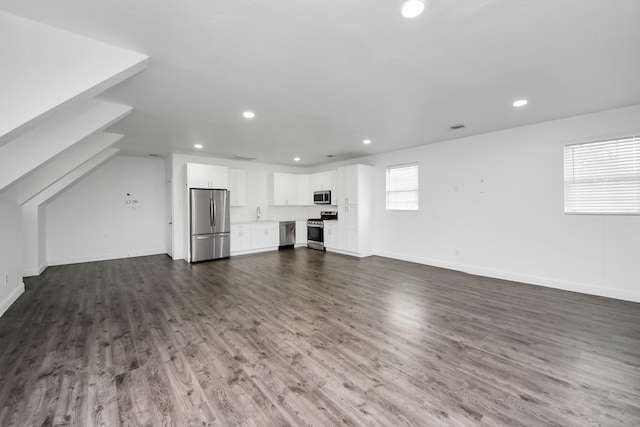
(240, 238)
(350, 234)
(254, 237)
(265, 235)
(301, 233)
(332, 235)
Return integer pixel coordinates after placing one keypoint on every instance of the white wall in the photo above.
(92, 221)
(34, 252)
(10, 249)
(493, 205)
(257, 176)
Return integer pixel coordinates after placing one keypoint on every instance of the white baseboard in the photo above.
(254, 251)
(11, 298)
(103, 257)
(547, 282)
(354, 254)
(34, 271)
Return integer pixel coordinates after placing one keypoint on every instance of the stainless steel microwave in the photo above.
(322, 197)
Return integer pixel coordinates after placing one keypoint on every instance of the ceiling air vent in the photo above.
(456, 127)
(238, 157)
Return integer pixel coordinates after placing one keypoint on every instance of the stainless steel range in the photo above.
(315, 229)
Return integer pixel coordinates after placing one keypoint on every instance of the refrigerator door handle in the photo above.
(211, 221)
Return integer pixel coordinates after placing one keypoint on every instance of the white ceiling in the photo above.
(322, 76)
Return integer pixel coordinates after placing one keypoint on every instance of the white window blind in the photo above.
(402, 187)
(603, 177)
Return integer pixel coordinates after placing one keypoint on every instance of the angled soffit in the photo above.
(24, 154)
(71, 178)
(63, 164)
(45, 69)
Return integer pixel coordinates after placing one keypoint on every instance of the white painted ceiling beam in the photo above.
(71, 178)
(67, 161)
(45, 69)
(24, 154)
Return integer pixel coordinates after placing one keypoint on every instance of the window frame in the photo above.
(635, 139)
(416, 190)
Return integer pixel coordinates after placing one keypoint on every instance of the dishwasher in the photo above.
(287, 234)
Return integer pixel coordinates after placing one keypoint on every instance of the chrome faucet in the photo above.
(258, 213)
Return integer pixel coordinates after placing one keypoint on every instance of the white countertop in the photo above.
(265, 221)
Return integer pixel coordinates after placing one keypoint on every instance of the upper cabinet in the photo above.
(287, 189)
(282, 189)
(325, 181)
(207, 176)
(304, 196)
(238, 187)
(349, 179)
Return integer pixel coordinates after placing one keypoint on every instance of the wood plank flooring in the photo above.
(301, 337)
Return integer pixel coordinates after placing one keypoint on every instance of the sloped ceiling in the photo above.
(56, 169)
(33, 149)
(322, 76)
(48, 79)
(45, 69)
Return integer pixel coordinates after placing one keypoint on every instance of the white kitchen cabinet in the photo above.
(279, 187)
(351, 237)
(287, 189)
(331, 183)
(325, 181)
(301, 233)
(238, 187)
(348, 180)
(207, 176)
(355, 205)
(304, 196)
(265, 235)
(332, 240)
(240, 238)
(254, 237)
(315, 182)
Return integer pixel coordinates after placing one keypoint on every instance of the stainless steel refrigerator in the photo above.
(210, 224)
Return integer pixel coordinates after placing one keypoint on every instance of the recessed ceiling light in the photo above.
(366, 141)
(520, 103)
(198, 146)
(412, 8)
(296, 159)
(249, 114)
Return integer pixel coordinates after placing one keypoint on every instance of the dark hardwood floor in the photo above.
(300, 337)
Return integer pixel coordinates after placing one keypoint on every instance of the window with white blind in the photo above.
(402, 187)
(602, 177)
